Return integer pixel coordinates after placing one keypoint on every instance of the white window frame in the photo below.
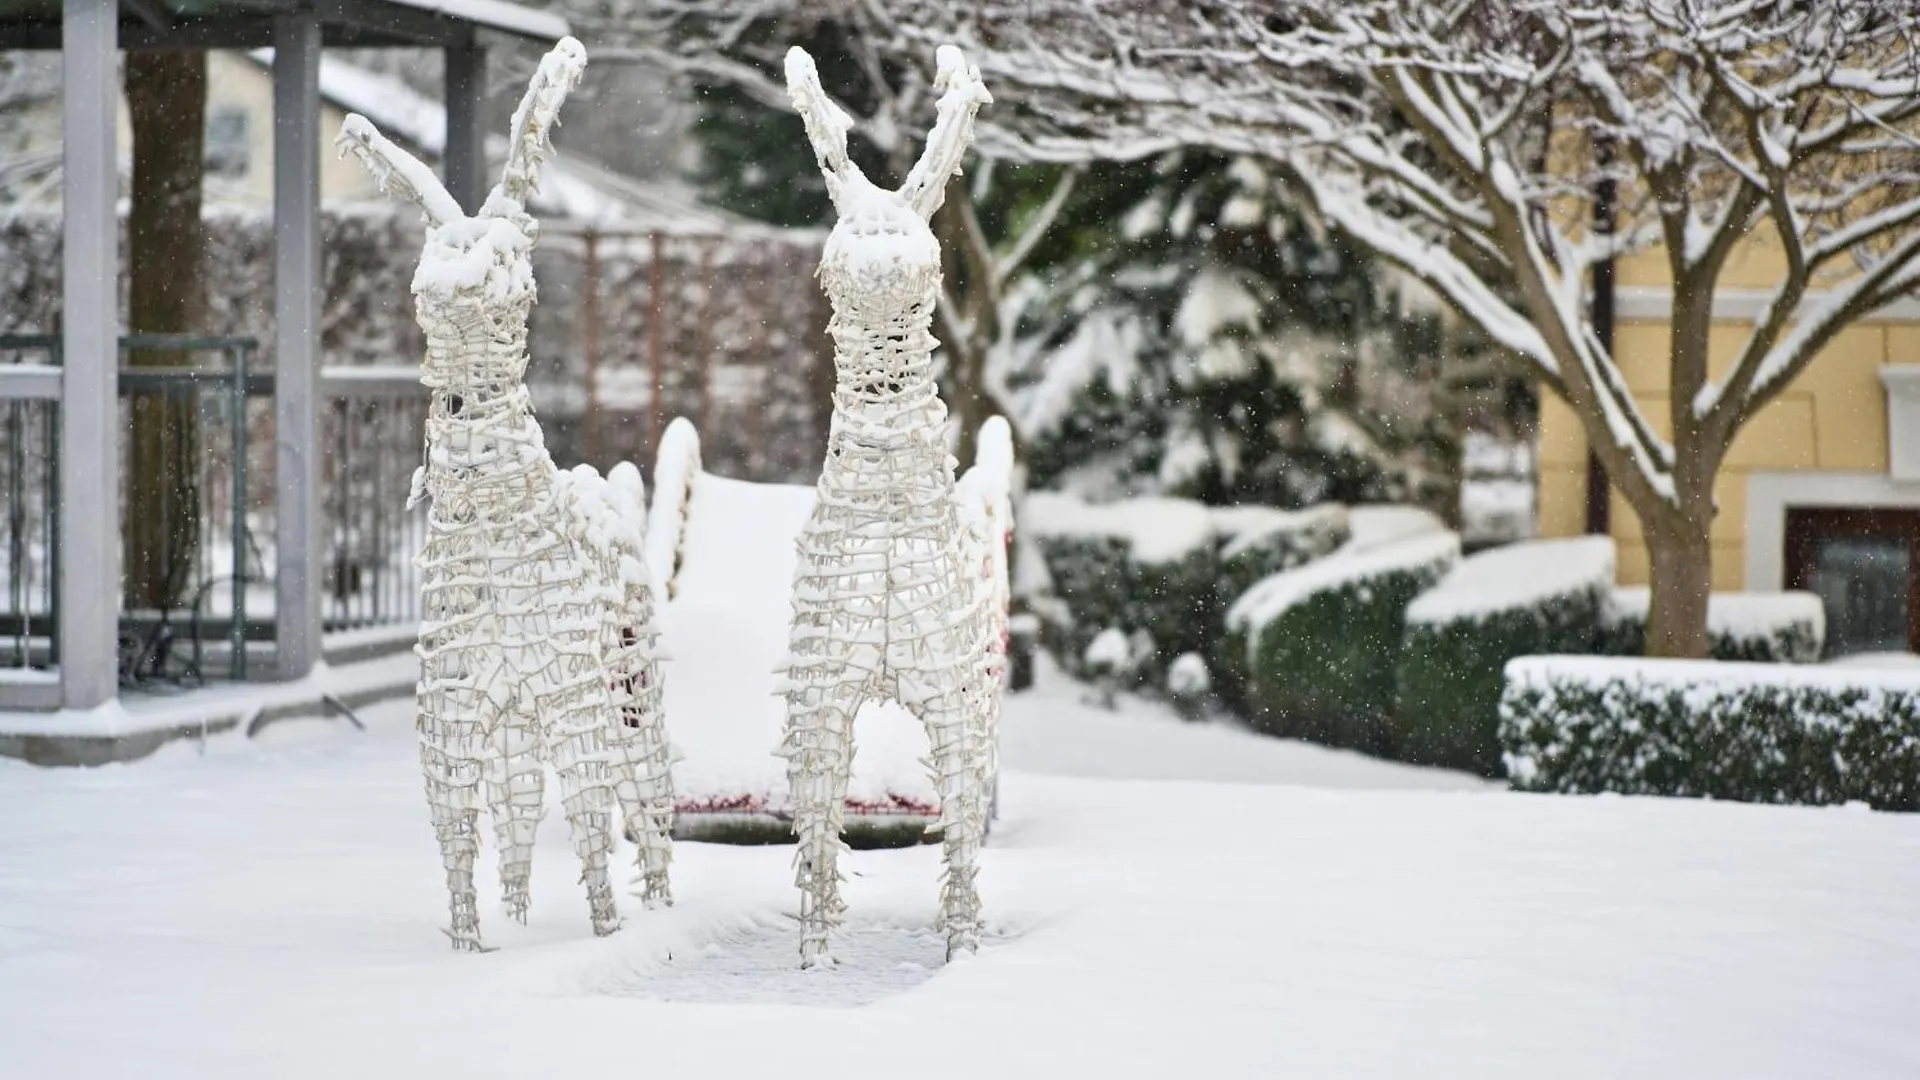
(1771, 494)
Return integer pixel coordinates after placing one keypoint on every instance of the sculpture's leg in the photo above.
(645, 785)
(954, 729)
(583, 758)
(818, 746)
(453, 742)
(516, 791)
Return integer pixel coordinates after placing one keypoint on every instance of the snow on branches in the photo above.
(537, 643)
(1466, 140)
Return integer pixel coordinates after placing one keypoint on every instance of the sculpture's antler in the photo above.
(529, 139)
(962, 94)
(396, 171)
(827, 124)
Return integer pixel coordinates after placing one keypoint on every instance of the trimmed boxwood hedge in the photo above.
(1258, 541)
(1143, 564)
(1165, 566)
(1773, 628)
(1322, 641)
(1542, 596)
(1771, 733)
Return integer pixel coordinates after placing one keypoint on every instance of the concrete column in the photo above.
(296, 342)
(89, 538)
(464, 157)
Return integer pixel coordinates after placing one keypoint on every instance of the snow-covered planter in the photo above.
(1137, 564)
(1772, 733)
(1321, 642)
(1515, 600)
(1780, 628)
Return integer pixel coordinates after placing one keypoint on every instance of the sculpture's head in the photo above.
(478, 267)
(881, 262)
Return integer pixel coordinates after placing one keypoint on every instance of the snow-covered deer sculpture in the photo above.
(885, 603)
(537, 637)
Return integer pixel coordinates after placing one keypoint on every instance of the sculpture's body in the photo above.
(885, 604)
(537, 638)
(986, 535)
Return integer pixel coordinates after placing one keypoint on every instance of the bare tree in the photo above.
(1465, 140)
(743, 43)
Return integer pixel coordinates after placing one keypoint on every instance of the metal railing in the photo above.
(29, 452)
(374, 429)
(210, 403)
(219, 614)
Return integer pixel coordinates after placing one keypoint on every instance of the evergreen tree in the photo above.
(1190, 331)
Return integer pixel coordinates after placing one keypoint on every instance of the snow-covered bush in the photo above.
(1109, 663)
(1516, 600)
(1257, 542)
(1773, 733)
(1780, 628)
(1139, 564)
(1321, 642)
(1377, 526)
(1188, 684)
(1260, 541)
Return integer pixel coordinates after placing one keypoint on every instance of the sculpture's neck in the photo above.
(481, 415)
(884, 389)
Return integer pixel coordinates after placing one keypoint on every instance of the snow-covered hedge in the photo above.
(1260, 541)
(1782, 628)
(1165, 566)
(1136, 564)
(1773, 733)
(1533, 597)
(1321, 642)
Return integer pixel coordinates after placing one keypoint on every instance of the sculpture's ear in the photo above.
(529, 138)
(827, 124)
(961, 95)
(396, 171)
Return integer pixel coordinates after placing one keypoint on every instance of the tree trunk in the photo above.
(1682, 578)
(166, 100)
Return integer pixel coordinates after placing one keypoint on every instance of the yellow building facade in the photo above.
(1820, 490)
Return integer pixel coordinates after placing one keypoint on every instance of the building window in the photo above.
(228, 151)
(1865, 567)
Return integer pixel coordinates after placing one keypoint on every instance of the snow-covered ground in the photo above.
(1164, 900)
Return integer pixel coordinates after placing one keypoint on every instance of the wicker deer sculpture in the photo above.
(537, 638)
(888, 601)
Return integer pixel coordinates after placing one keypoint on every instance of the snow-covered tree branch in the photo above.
(889, 94)
(1467, 140)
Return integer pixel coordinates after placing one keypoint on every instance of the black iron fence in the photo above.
(211, 613)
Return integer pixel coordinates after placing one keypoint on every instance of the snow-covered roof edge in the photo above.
(573, 186)
(542, 26)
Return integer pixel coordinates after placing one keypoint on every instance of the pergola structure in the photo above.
(90, 34)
